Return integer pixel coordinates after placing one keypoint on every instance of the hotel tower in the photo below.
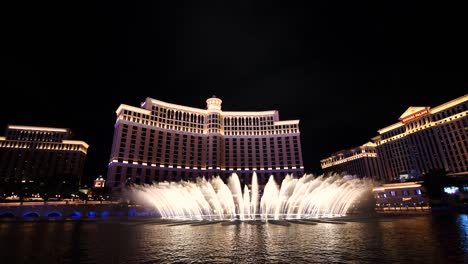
(361, 161)
(31, 155)
(161, 141)
(423, 140)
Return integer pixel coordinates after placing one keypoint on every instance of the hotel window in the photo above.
(392, 193)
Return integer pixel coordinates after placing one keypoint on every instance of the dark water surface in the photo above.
(436, 238)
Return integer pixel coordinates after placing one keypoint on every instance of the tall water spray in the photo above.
(306, 197)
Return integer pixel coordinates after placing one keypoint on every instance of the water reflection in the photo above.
(416, 239)
(463, 230)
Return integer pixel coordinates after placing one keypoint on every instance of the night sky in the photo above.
(344, 69)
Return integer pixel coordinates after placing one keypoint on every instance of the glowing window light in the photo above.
(451, 189)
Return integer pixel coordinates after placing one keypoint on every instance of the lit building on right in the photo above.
(425, 139)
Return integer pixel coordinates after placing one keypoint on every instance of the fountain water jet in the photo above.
(306, 197)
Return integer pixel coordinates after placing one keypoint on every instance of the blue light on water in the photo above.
(463, 229)
(7, 215)
(54, 215)
(91, 214)
(75, 215)
(143, 214)
(104, 214)
(31, 215)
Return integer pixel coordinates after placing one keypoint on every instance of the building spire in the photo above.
(213, 103)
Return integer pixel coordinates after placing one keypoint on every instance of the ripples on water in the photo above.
(415, 239)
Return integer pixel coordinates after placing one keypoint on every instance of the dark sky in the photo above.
(344, 69)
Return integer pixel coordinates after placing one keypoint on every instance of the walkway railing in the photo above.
(78, 202)
(403, 209)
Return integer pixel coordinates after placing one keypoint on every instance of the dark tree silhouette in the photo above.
(433, 183)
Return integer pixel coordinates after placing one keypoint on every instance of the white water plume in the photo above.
(295, 198)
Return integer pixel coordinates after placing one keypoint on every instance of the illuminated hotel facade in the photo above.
(425, 139)
(161, 141)
(361, 160)
(35, 154)
(407, 195)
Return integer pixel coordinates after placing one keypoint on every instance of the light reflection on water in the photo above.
(463, 229)
(415, 239)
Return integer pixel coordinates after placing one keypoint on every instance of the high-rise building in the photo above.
(162, 141)
(424, 140)
(36, 156)
(361, 161)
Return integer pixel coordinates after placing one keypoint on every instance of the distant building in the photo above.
(161, 141)
(361, 161)
(36, 156)
(425, 139)
(99, 182)
(393, 196)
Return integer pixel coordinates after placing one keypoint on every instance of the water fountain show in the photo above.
(307, 197)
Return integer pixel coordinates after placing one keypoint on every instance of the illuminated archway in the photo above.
(54, 215)
(7, 215)
(75, 215)
(31, 215)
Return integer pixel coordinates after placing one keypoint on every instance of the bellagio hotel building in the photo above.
(161, 141)
(423, 140)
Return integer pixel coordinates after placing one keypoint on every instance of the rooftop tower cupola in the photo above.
(213, 103)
